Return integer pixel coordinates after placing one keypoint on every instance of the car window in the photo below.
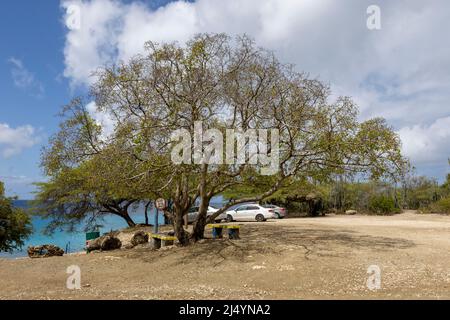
(242, 208)
(193, 209)
(252, 208)
(268, 206)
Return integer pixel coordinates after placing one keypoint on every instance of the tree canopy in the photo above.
(222, 83)
(15, 224)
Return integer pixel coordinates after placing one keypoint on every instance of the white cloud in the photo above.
(24, 79)
(14, 140)
(104, 120)
(427, 144)
(401, 72)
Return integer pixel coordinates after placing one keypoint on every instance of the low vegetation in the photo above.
(15, 224)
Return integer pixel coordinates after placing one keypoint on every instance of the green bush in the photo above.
(382, 204)
(15, 224)
(442, 206)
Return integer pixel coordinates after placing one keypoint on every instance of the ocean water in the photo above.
(75, 241)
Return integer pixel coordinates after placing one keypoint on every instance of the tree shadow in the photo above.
(260, 240)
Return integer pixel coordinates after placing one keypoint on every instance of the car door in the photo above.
(251, 212)
(240, 213)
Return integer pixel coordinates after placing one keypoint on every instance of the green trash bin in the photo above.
(91, 236)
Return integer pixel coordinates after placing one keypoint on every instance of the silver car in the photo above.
(193, 213)
(280, 212)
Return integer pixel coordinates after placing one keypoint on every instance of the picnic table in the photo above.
(162, 240)
(217, 230)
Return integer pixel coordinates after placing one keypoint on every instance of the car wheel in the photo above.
(260, 218)
(229, 218)
(279, 216)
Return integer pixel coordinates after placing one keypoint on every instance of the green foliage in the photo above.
(15, 224)
(382, 204)
(441, 206)
(223, 83)
(420, 192)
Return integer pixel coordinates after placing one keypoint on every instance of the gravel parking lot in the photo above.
(302, 258)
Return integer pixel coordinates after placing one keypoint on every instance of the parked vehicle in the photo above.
(250, 212)
(280, 212)
(193, 213)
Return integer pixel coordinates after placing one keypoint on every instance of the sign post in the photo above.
(160, 205)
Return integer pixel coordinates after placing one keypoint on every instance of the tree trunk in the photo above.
(200, 223)
(128, 219)
(178, 226)
(147, 206)
(315, 207)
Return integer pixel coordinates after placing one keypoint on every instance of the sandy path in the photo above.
(284, 259)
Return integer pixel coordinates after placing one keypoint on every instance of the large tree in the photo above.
(223, 83)
(15, 224)
(185, 91)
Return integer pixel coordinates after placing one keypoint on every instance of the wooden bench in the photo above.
(217, 230)
(162, 240)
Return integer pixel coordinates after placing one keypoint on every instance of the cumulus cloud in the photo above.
(427, 144)
(104, 120)
(24, 79)
(401, 72)
(14, 140)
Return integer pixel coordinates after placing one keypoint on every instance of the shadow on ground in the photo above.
(260, 240)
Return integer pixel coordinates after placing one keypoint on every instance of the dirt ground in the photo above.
(304, 258)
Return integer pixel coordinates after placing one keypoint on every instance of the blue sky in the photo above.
(32, 35)
(33, 87)
(401, 72)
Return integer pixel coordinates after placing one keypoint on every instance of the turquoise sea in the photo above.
(74, 242)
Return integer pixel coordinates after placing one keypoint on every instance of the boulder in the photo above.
(110, 243)
(45, 251)
(351, 212)
(104, 243)
(139, 237)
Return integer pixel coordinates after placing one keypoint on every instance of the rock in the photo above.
(104, 243)
(351, 212)
(139, 237)
(45, 251)
(110, 243)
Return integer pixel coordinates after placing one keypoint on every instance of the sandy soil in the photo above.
(304, 258)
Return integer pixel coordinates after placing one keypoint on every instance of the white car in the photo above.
(193, 213)
(250, 212)
(280, 212)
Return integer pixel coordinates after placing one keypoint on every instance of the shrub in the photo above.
(382, 204)
(441, 206)
(15, 224)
